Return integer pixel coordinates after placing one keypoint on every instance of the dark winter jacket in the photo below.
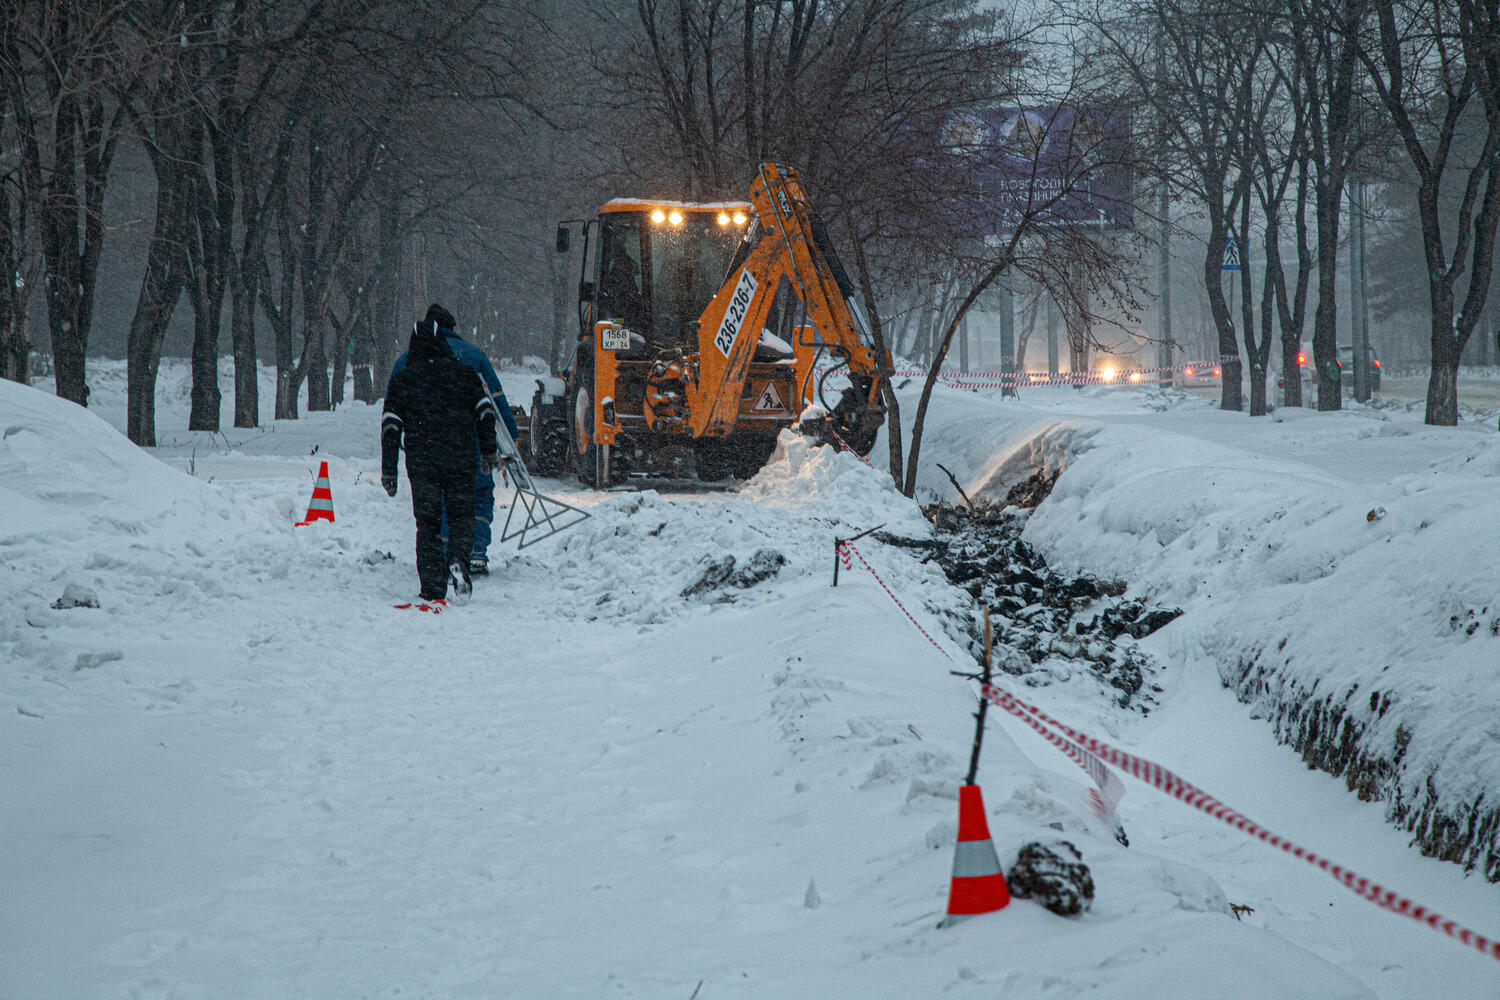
(480, 362)
(433, 407)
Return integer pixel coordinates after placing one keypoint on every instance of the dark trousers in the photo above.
(484, 514)
(431, 494)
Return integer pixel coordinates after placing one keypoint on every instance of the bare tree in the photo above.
(1325, 40)
(69, 70)
(1277, 146)
(20, 251)
(163, 121)
(1436, 69)
(1199, 68)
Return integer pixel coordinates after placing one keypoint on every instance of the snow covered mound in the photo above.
(61, 466)
(1359, 616)
(719, 549)
(802, 473)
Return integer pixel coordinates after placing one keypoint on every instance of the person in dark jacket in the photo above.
(484, 482)
(436, 407)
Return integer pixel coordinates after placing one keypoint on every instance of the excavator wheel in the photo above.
(582, 454)
(714, 459)
(547, 441)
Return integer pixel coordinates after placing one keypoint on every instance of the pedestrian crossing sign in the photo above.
(1231, 255)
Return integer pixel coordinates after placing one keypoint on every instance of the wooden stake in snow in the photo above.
(989, 640)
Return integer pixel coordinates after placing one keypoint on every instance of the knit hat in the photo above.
(442, 317)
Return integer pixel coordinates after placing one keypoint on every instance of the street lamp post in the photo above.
(1360, 354)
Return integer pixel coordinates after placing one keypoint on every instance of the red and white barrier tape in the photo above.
(846, 446)
(1091, 754)
(1172, 784)
(1105, 796)
(1010, 380)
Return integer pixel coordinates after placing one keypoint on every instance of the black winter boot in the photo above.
(458, 579)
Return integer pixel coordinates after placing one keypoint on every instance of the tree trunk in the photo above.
(920, 338)
(1447, 352)
(243, 291)
(1325, 315)
(364, 360)
(919, 420)
(161, 286)
(204, 412)
(15, 293)
(315, 358)
(15, 339)
(1442, 388)
(211, 249)
(385, 319)
(1075, 323)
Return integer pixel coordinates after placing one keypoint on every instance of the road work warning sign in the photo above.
(769, 400)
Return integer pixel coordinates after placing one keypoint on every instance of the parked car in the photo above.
(1346, 364)
(1202, 374)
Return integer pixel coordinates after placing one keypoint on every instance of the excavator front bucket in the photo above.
(855, 421)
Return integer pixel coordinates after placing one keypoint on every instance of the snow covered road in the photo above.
(246, 775)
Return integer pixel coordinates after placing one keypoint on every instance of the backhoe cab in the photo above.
(675, 372)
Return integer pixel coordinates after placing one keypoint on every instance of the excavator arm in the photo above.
(784, 240)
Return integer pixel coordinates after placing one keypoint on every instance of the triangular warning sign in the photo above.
(769, 399)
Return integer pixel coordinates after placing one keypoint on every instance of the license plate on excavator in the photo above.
(614, 338)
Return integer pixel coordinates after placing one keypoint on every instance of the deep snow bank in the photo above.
(61, 466)
(1371, 645)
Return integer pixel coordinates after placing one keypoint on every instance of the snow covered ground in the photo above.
(246, 775)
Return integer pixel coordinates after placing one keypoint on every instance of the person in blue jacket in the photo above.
(484, 482)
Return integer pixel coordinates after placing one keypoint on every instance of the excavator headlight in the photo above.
(658, 216)
(675, 218)
(723, 218)
(739, 218)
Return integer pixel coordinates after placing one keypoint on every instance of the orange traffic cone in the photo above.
(320, 507)
(978, 883)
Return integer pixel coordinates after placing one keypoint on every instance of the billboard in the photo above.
(1059, 165)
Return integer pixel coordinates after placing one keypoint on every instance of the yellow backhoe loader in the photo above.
(674, 373)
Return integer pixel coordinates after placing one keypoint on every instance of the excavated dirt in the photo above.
(1047, 627)
(1054, 875)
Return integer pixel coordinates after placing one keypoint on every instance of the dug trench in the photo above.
(1048, 628)
(1053, 629)
(1336, 732)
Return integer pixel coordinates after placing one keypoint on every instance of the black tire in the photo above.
(547, 441)
(751, 453)
(714, 459)
(582, 456)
